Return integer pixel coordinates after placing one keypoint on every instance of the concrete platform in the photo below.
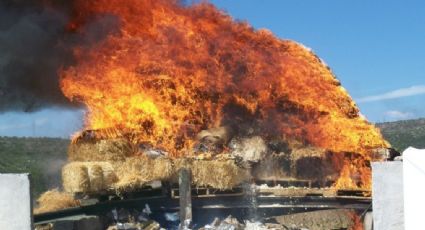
(387, 195)
(15, 202)
(414, 187)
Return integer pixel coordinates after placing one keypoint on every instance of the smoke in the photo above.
(34, 45)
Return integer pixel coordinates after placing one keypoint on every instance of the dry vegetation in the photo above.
(54, 200)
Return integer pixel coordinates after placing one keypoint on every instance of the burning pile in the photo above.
(166, 72)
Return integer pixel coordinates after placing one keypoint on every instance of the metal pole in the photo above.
(185, 196)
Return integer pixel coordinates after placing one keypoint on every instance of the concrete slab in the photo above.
(15, 202)
(414, 187)
(387, 195)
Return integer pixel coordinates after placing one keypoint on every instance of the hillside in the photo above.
(42, 157)
(402, 134)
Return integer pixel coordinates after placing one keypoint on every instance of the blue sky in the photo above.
(375, 48)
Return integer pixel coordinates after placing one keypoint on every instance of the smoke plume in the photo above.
(34, 45)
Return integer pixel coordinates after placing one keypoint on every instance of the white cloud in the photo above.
(403, 92)
(398, 115)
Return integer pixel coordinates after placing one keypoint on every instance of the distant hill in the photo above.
(402, 134)
(42, 157)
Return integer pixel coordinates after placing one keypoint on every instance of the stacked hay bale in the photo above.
(104, 165)
(99, 165)
(86, 177)
(100, 150)
(220, 174)
(138, 170)
(93, 164)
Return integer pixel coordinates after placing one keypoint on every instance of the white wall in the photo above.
(387, 195)
(15, 202)
(414, 188)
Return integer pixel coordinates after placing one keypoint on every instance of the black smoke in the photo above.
(34, 45)
(32, 50)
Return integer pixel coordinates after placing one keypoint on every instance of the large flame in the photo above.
(169, 71)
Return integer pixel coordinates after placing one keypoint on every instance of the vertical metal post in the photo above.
(185, 196)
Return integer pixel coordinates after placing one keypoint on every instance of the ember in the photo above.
(171, 71)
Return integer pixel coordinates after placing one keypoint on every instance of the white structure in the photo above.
(387, 195)
(414, 188)
(15, 202)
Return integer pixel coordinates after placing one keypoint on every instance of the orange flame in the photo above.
(171, 71)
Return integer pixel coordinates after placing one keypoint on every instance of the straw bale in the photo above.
(220, 174)
(54, 200)
(312, 163)
(109, 175)
(217, 174)
(83, 177)
(75, 178)
(163, 168)
(136, 171)
(100, 150)
(96, 178)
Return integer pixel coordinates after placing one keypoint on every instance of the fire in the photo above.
(169, 71)
(355, 174)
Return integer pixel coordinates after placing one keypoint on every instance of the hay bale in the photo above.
(96, 178)
(220, 174)
(163, 169)
(54, 200)
(83, 177)
(75, 178)
(313, 164)
(109, 175)
(136, 171)
(217, 174)
(101, 150)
